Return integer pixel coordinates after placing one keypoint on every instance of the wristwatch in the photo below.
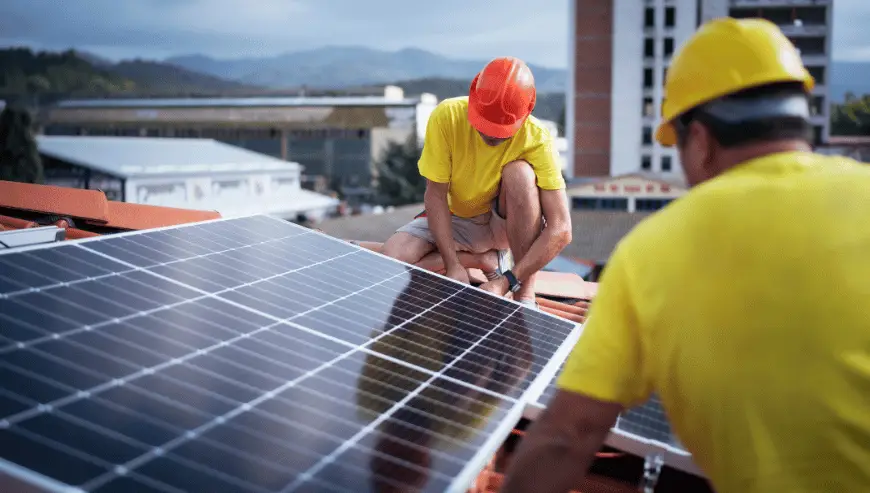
(513, 282)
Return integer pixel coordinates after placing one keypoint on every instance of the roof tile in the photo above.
(83, 204)
(16, 223)
(137, 216)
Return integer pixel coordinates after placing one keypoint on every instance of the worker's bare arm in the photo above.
(438, 215)
(556, 453)
(554, 237)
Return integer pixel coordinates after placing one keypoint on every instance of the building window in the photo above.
(666, 163)
(649, 48)
(646, 163)
(670, 16)
(648, 107)
(818, 132)
(649, 17)
(592, 203)
(647, 78)
(669, 46)
(643, 205)
(817, 105)
(818, 73)
(647, 136)
(664, 75)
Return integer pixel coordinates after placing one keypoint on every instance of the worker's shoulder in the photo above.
(451, 110)
(537, 129)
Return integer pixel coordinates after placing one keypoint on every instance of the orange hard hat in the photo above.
(502, 96)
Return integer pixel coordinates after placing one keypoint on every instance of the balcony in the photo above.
(814, 59)
(798, 30)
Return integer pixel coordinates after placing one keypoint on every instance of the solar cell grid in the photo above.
(648, 422)
(254, 355)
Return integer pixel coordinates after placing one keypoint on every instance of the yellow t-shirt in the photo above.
(745, 305)
(454, 153)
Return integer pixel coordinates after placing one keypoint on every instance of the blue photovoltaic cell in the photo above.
(253, 355)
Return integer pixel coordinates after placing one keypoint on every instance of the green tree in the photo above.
(399, 180)
(19, 155)
(851, 117)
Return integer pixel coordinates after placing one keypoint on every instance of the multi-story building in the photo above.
(618, 64)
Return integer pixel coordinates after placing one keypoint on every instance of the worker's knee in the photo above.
(406, 247)
(518, 179)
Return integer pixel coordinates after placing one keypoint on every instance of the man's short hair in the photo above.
(760, 114)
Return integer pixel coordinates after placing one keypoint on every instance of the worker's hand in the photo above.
(458, 272)
(497, 286)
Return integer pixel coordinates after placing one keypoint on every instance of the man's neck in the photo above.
(730, 158)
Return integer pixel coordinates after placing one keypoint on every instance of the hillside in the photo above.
(48, 75)
(338, 66)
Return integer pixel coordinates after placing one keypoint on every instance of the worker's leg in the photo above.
(414, 244)
(407, 247)
(519, 207)
(487, 261)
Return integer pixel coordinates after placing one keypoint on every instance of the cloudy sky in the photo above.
(535, 31)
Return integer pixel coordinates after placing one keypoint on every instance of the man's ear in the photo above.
(703, 144)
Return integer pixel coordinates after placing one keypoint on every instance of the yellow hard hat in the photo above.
(725, 56)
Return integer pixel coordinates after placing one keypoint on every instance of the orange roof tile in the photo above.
(84, 209)
(137, 216)
(16, 223)
(84, 204)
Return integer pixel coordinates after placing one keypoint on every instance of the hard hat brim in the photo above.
(489, 128)
(666, 135)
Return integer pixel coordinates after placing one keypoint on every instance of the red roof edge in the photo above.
(137, 216)
(73, 202)
(90, 211)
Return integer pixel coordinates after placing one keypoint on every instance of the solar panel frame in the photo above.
(625, 435)
(472, 467)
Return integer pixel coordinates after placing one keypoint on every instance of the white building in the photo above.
(618, 63)
(200, 174)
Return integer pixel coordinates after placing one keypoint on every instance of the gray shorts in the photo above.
(475, 234)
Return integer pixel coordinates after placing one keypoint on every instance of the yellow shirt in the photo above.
(454, 153)
(746, 305)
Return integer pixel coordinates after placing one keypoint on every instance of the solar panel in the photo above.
(642, 430)
(255, 355)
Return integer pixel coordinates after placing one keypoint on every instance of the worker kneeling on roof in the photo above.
(493, 184)
(745, 304)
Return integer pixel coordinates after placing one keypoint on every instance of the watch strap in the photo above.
(513, 282)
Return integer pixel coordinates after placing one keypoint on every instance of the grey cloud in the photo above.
(536, 32)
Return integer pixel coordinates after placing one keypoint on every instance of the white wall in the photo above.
(627, 91)
(231, 194)
(424, 109)
(686, 25)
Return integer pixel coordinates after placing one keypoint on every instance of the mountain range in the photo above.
(332, 67)
(341, 66)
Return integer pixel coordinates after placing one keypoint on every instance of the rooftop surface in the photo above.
(134, 157)
(595, 233)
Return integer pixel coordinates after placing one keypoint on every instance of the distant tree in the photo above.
(851, 117)
(399, 180)
(19, 155)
